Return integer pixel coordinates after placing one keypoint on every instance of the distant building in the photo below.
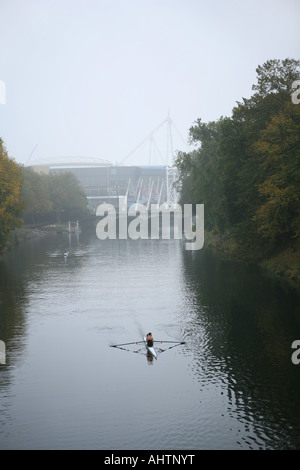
(105, 182)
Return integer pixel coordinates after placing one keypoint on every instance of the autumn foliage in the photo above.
(35, 199)
(246, 168)
(10, 191)
(278, 149)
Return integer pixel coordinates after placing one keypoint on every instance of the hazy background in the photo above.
(93, 78)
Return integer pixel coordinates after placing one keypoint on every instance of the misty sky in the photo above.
(93, 78)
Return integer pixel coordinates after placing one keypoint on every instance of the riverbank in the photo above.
(24, 233)
(283, 266)
(21, 235)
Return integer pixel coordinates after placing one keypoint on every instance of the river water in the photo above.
(232, 385)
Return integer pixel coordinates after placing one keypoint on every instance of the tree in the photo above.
(10, 192)
(276, 76)
(52, 197)
(246, 168)
(36, 196)
(199, 171)
(242, 170)
(184, 163)
(278, 147)
(67, 196)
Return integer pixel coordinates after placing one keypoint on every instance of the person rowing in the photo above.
(149, 340)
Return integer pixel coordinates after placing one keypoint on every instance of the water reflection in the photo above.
(231, 385)
(241, 328)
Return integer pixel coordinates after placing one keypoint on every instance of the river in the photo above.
(232, 385)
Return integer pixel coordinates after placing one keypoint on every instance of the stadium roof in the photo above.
(69, 161)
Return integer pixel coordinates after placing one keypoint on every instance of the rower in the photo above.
(149, 340)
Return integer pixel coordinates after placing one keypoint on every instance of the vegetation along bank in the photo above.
(245, 169)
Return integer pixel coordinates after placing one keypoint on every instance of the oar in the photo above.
(139, 342)
(177, 342)
(125, 344)
(170, 347)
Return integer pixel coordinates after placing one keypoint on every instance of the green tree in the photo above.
(36, 196)
(276, 76)
(278, 217)
(243, 171)
(10, 192)
(67, 196)
(230, 171)
(185, 164)
(50, 198)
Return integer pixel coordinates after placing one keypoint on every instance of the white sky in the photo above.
(94, 77)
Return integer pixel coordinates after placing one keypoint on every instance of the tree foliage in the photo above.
(52, 197)
(246, 168)
(36, 198)
(10, 190)
(278, 217)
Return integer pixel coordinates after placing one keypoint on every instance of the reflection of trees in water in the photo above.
(241, 327)
(11, 308)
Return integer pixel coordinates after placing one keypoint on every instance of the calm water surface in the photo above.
(231, 386)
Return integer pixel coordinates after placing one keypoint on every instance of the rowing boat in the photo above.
(150, 349)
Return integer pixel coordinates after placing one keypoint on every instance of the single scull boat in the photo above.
(150, 349)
